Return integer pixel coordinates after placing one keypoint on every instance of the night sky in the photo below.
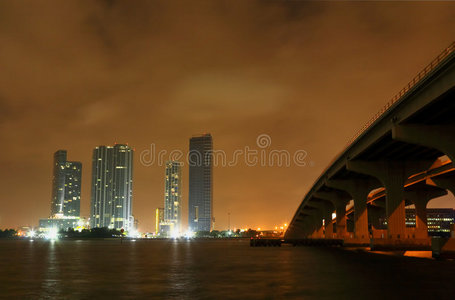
(78, 74)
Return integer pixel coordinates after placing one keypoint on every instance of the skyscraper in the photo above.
(200, 210)
(173, 196)
(112, 187)
(66, 187)
(66, 194)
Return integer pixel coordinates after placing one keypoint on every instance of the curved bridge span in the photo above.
(402, 156)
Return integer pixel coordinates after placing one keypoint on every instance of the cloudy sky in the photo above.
(77, 74)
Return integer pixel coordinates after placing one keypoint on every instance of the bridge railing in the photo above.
(430, 67)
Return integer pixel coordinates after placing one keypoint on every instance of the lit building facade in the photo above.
(59, 223)
(66, 194)
(173, 196)
(112, 187)
(66, 186)
(159, 218)
(439, 220)
(200, 200)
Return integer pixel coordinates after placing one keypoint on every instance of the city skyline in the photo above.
(106, 162)
(219, 149)
(307, 74)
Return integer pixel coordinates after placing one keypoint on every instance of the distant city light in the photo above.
(52, 234)
(175, 234)
(189, 234)
(133, 233)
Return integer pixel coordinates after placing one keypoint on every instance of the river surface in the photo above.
(212, 269)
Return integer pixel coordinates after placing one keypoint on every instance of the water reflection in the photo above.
(181, 278)
(51, 283)
(211, 269)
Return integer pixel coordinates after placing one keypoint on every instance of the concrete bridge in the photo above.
(402, 156)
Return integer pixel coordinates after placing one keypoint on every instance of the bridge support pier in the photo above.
(310, 225)
(304, 227)
(341, 222)
(313, 222)
(318, 231)
(329, 228)
(420, 196)
(375, 214)
(359, 190)
(294, 231)
(325, 209)
(339, 200)
(392, 174)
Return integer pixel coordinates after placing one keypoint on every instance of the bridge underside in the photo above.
(404, 157)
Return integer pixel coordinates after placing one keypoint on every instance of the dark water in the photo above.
(213, 270)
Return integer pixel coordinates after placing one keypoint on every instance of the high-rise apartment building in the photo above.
(200, 200)
(112, 187)
(173, 196)
(66, 186)
(66, 194)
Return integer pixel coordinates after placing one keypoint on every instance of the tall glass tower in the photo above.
(173, 196)
(200, 210)
(66, 187)
(112, 187)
